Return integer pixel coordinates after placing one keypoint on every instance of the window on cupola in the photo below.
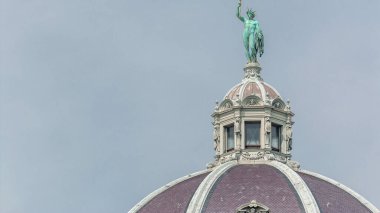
(229, 136)
(252, 134)
(276, 137)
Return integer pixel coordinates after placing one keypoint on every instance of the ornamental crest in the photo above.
(253, 207)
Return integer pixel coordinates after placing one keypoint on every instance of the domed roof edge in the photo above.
(307, 199)
(148, 198)
(230, 90)
(356, 195)
(303, 191)
(200, 195)
(274, 89)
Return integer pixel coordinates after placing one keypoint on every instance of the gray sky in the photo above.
(102, 101)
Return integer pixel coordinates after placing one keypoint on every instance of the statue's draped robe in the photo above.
(253, 41)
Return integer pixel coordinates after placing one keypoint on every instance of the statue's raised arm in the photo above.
(238, 12)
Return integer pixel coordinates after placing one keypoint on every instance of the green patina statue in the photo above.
(253, 37)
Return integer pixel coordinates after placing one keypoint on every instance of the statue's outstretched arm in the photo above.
(238, 12)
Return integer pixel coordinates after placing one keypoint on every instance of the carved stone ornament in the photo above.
(252, 71)
(226, 105)
(278, 104)
(216, 137)
(294, 165)
(251, 100)
(289, 135)
(288, 108)
(253, 207)
(237, 125)
(216, 105)
(252, 156)
(280, 158)
(270, 156)
(268, 125)
(227, 158)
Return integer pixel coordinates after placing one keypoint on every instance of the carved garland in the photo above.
(252, 156)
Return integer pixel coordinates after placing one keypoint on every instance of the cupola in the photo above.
(252, 122)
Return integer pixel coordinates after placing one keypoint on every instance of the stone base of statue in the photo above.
(252, 71)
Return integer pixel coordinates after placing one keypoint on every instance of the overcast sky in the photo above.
(104, 101)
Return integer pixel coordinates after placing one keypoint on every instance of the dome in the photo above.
(267, 186)
(248, 88)
(253, 91)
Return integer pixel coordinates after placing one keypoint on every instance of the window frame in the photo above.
(247, 146)
(230, 126)
(278, 128)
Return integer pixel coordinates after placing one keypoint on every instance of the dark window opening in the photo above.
(252, 134)
(276, 137)
(230, 139)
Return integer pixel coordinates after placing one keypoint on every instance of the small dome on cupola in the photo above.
(253, 91)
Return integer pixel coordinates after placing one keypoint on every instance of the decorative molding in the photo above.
(278, 103)
(294, 165)
(279, 158)
(148, 198)
(229, 157)
(251, 101)
(252, 71)
(252, 155)
(200, 195)
(306, 197)
(360, 198)
(227, 104)
(253, 207)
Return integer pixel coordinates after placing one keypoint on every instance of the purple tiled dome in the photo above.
(265, 184)
(175, 198)
(331, 198)
(244, 183)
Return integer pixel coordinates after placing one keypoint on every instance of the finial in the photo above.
(288, 107)
(216, 105)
